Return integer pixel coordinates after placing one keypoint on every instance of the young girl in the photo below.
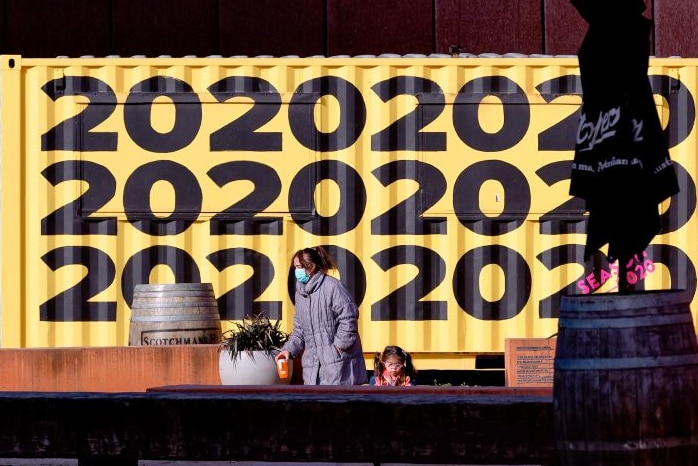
(393, 367)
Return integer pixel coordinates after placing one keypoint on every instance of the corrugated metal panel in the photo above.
(440, 185)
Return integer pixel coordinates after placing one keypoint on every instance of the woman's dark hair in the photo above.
(394, 351)
(317, 256)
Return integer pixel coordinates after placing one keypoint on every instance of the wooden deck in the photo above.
(416, 425)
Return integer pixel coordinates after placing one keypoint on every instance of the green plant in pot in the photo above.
(247, 352)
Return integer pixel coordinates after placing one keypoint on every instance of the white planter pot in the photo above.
(258, 369)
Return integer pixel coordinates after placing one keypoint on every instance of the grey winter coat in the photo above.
(326, 334)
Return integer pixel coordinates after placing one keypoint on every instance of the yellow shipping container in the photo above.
(439, 184)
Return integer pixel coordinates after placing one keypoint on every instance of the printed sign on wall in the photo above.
(440, 185)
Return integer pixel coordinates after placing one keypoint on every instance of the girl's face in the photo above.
(393, 365)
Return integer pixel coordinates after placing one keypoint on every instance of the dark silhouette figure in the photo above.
(621, 164)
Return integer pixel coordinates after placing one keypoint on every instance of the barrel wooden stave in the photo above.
(173, 314)
(625, 388)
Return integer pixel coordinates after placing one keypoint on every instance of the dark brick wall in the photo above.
(272, 27)
(49, 28)
(159, 27)
(675, 24)
(500, 26)
(42, 28)
(357, 27)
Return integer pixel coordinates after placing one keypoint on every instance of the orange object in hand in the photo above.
(282, 368)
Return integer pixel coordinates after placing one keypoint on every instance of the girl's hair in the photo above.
(318, 256)
(408, 368)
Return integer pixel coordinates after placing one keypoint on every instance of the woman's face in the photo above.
(393, 365)
(298, 265)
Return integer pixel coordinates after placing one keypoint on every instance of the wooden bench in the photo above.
(420, 425)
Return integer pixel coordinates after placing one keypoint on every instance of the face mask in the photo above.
(302, 275)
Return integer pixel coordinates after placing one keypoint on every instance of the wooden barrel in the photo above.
(174, 314)
(625, 384)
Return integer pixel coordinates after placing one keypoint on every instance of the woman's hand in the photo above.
(283, 355)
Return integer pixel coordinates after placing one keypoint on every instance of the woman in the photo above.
(325, 324)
